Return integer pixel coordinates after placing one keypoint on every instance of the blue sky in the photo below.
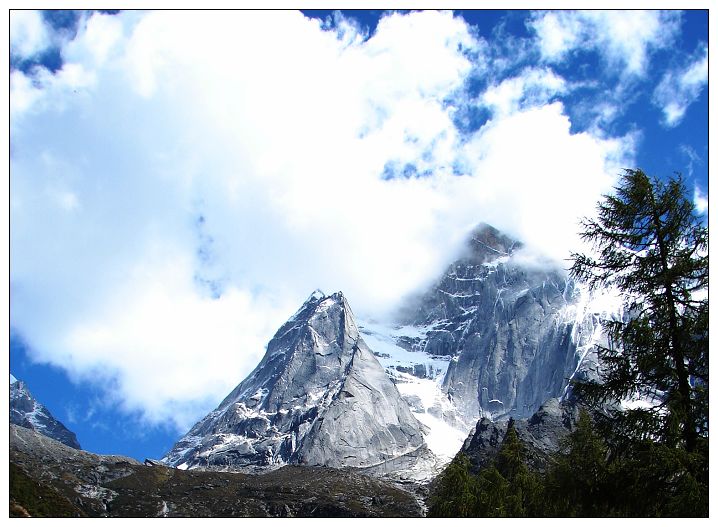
(181, 182)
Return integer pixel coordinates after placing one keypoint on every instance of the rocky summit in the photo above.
(318, 397)
(27, 412)
(513, 332)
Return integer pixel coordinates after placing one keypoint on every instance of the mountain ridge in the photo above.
(27, 412)
(512, 331)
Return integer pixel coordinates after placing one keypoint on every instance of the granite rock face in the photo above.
(25, 411)
(513, 330)
(318, 397)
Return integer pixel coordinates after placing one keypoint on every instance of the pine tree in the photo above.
(455, 493)
(505, 488)
(655, 480)
(653, 248)
(521, 497)
(492, 490)
(578, 482)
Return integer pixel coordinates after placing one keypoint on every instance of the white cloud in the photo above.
(692, 157)
(24, 93)
(700, 200)
(100, 36)
(535, 179)
(533, 87)
(277, 135)
(29, 35)
(41, 90)
(680, 88)
(559, 33)
(624, 39)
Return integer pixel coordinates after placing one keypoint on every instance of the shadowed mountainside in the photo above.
(49, 479)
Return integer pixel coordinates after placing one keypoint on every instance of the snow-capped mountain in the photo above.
(25, 411)
(318, 397)
(495, 337)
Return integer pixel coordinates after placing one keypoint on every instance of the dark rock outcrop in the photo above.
(484, 442)
(542, 435)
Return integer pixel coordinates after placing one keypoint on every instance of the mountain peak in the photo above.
(27, 412)
(318, 397)
(486, 243)
(317, 294)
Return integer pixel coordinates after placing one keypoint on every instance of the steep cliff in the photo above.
(500, 332)
(318, 397)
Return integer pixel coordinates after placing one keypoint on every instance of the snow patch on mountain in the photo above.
(383, 338)
(418, 376)
(586, 314)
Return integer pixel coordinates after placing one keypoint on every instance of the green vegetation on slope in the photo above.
(34, 499)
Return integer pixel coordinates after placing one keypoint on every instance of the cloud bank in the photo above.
(188, 178)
